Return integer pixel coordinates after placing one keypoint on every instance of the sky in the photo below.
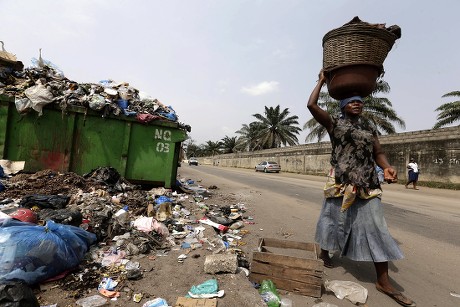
(218, 62)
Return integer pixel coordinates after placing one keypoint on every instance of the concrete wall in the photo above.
(436, 151)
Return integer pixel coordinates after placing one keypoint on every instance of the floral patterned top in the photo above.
(352, 153)
(353, 166)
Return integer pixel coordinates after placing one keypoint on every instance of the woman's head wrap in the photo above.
(346, 101)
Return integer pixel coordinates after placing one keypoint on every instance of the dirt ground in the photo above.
(162, 275)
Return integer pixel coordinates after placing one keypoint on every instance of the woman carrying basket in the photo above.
(351, 219)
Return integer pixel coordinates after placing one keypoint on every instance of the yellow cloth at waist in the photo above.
(348, 191)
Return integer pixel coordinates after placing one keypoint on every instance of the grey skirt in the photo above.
(360, 233)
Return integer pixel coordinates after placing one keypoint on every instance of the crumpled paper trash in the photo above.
(352, 291)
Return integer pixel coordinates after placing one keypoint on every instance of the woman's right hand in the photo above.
(321, 76)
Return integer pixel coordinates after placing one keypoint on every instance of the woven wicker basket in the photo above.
(356, 43)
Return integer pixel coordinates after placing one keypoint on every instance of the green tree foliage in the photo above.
(228, 144)
(277, 128)
(449, 112)
(212, 148)
(248, 139)
(377, 110)
(192, 149)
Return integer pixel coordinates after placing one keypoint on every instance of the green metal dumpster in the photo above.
(80, 140)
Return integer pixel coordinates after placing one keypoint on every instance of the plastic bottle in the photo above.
(269, 293)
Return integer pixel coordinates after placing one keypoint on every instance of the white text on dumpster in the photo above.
(164, 135)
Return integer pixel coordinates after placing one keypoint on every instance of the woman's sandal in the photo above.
(398, 297)
(327, 262)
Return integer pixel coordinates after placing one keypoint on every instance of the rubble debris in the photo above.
(93, 200)
(221, 263)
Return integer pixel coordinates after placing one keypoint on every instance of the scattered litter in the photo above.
(137, 297)
(196, 302)
(96, 205)
(17, 294)
(352, 291)
(158, 302)
(269, 293)
(92, 301)
(208, 289)
(181, 258)
(455, 294)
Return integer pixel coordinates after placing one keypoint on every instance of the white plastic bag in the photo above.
(22, 104)
(39, 96)
(352, 291)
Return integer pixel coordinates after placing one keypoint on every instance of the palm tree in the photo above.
(247, 141)
(449, 112)
(228, 144)
(376, 110)
(212, 148)
(317, 131)
(191, 149)
(277, 128)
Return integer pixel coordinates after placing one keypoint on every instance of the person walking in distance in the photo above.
(351, 219)
(412, 173)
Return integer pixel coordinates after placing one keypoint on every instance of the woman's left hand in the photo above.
(390, 175)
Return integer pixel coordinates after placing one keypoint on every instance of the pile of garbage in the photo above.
(79, 230)
(43, 83)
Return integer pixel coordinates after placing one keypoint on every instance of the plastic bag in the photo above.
(39, 96)
(33, 253)
(92, 301)
(22, 104)
(61, 216)
(269, 293)
(352, 291)
(97, 102)
(15, 294)
(123, 104)
(169, 114)
(45, 201)
(158, 302)
(207, 289)
(147, 224)
(162, 199)
(41, 63)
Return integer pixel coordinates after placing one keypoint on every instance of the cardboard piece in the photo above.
(195, 302)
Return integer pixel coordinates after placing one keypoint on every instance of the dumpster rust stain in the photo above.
(54, 160)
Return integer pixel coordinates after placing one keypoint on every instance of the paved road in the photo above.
(426, 224)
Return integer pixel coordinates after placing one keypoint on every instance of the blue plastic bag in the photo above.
(34, 253)
(123, 104)
(171, 115)
(208, 287)
(162, 199)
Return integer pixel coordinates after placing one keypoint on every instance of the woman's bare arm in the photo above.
(389, 173)
(323, 117)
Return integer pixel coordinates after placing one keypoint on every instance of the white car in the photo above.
(193, 161)
(268, 167)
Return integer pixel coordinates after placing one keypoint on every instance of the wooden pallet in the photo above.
(299, 274)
